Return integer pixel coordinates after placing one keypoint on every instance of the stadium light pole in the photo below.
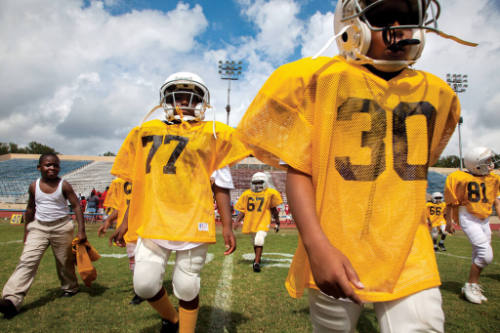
(229, 70)
(459, 83)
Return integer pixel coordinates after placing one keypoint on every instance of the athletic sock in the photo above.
(187, 320)
(163, 306)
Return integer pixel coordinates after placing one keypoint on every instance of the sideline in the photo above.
(461, 257)
(221, 309)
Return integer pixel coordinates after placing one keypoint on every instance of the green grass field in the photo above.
(232, 297)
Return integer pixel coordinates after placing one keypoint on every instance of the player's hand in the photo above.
(117, 236)
(82, 236)
(236, 225)
(338, 277)
(102, 229)
(450, 227)
(229, 240)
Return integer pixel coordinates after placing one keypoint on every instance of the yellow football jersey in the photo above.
(476, 193)
(170, 167)
(119, 196)
(367, 144)
(435, 213)
(257, 209)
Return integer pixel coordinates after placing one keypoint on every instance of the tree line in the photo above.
(450, 161)
(32, 148)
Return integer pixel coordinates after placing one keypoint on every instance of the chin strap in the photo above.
(453, 38)
(330, 41)
(150, 112)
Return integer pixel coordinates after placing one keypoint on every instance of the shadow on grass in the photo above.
(452, 287)
(493, 276)
(95, 290)
(209, 319)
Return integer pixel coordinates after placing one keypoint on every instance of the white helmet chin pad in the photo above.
(479, 161)
(259, 182)
(184, 92)
(355, 33)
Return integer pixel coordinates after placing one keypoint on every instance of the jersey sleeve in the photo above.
(240, 204)
(451, 190)
(276, 125)
(276, 199)
(112, 196)
(230, 149)
(123, 167)
(444, 130)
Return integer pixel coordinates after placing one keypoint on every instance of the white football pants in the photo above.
(420, 312)
(479, 234)
(150, 262)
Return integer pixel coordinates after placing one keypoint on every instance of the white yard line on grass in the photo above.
(221, 313)
(11, 242)
(461, 257)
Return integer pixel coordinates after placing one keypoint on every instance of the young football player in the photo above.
(47, 223)
(118, 200)
(470, 196)
(358, 133)
(436, 221)
(170, 163)
(256, 206)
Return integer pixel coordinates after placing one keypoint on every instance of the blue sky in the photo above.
(79, 74)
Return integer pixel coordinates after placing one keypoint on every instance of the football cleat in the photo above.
(256, 267)
(442, 247)
(136, 300)
(472, 293)
(169, 327)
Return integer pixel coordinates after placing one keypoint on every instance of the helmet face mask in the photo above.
(259, 182)
(480, 161)
(437, 197)
(355, 20)
(184, 96)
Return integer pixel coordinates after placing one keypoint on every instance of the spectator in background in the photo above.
(83, 203)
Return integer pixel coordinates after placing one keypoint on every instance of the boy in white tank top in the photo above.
(46, 223)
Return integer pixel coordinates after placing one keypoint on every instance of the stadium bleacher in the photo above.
(17, 174)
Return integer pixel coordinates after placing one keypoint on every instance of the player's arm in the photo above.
(338, 278)
(70, 195)
(239, 220)
(119, 234)
(497, 206)
(276, 218)
(451, 216)
(223, 200)
(105, 225)
(29, 215)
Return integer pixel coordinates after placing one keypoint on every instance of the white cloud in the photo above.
(78, 78)
(278, 25)
(65, 67)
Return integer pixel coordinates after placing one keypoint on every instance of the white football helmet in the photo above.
(479, 161)
(437, 197)
(259, 182)
(184, 84)
(355, 19)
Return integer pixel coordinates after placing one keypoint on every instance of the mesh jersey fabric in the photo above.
(169, 166)
(257, 209)
(367, 144)
(476, 193)
(435, 213)
(119, 196)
